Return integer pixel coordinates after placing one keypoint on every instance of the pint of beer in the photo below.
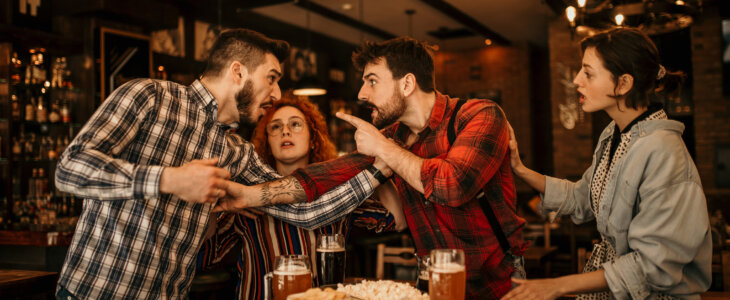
(424, 263)
(292, 274)
(447, 274)
(331, 258)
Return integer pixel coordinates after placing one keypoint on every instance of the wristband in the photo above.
(377, 174)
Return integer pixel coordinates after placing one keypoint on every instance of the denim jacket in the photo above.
(653, 212)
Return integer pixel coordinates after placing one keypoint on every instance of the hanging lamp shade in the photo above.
(309, 86)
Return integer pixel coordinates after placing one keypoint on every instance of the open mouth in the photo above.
(287, 145)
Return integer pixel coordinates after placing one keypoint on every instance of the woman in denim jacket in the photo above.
(642, 188)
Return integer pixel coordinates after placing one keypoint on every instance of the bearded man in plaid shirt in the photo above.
(155, 157)
(438, 181)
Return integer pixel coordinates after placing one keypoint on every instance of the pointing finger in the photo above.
(354, 121)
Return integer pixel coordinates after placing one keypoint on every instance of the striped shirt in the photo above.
(131, 241)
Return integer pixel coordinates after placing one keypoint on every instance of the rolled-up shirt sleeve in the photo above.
(568, 198)
(670, 251)
(329, 206)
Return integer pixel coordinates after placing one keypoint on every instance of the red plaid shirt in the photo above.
(448, 214)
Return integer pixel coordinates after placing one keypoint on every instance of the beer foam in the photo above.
(330, 249)
(448, 268)
(292, 270)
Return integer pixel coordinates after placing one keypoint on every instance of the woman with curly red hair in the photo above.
(290, 135)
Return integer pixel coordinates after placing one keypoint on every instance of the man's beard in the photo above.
(391, 111)
(244, 100)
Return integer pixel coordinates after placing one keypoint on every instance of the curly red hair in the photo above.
(323, 148)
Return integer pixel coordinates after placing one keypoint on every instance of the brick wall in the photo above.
(712, 113)
(503, 68)
(572, 148)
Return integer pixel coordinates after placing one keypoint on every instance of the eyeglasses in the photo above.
(295, 125)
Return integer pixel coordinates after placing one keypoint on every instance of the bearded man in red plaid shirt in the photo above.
(439, 181)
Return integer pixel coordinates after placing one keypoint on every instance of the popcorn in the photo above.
(382, 290)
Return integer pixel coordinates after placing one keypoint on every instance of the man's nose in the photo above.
(276, 93)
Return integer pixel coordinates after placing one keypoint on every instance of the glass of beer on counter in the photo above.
(424, 263)
(331, 258)
(447, 274)
(292, 274)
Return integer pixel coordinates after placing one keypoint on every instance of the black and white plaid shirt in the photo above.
(133, 242)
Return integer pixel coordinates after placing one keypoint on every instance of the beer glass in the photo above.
(447, 274)
(424, 262)
(292, 274)
(331, 258)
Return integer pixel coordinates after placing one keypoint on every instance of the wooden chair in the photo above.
(540, 254)
(393, 255)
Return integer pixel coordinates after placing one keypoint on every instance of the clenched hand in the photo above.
(198, 181)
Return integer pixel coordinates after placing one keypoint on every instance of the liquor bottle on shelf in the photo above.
(54, 116)
(16, 73)
(59, 146)
(32, 186)
(29, 149)
(17, 148)
(30, 108)
(51, 150)
(41, 111)
(41, 184)
(15, 106)
(65, 113)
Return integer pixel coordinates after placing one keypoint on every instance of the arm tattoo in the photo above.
(285, 190)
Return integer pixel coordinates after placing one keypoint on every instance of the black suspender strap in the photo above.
(488, 212)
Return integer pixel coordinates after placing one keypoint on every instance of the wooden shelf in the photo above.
(33, 238)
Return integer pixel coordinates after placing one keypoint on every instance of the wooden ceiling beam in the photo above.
(466, 20)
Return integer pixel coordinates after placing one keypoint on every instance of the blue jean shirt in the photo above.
(653, 212)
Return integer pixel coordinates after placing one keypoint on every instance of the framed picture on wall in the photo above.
(170, 41)
(124, 56)
(205, 36)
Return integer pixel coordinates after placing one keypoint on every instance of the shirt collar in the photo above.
(202, 94)
(437, 113)
(653, 107)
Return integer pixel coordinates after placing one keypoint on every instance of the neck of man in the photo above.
(286, 168)
(625, 115)
(219, 90)
(419, 106)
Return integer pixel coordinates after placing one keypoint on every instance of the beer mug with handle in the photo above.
(292, 274)
(447, 274)
(331, 258)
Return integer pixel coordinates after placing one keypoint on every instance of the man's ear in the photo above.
(238, 72)
(624, 84)
(408, 84)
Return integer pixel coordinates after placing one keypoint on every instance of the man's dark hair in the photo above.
(402, 55)
(245, 46)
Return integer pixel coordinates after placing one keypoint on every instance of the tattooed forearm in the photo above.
(284, 190)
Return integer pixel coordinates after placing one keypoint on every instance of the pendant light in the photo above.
(309, 85)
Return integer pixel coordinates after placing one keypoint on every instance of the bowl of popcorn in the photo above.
(365, 290)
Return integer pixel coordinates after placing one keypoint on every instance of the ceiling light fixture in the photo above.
(651, 16)
(309, 85)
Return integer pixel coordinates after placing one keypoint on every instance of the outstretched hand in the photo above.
(369, 140)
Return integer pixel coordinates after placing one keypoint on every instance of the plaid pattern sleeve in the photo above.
(90, 167)
(321, 177)
(476, 155)
(330, 206)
